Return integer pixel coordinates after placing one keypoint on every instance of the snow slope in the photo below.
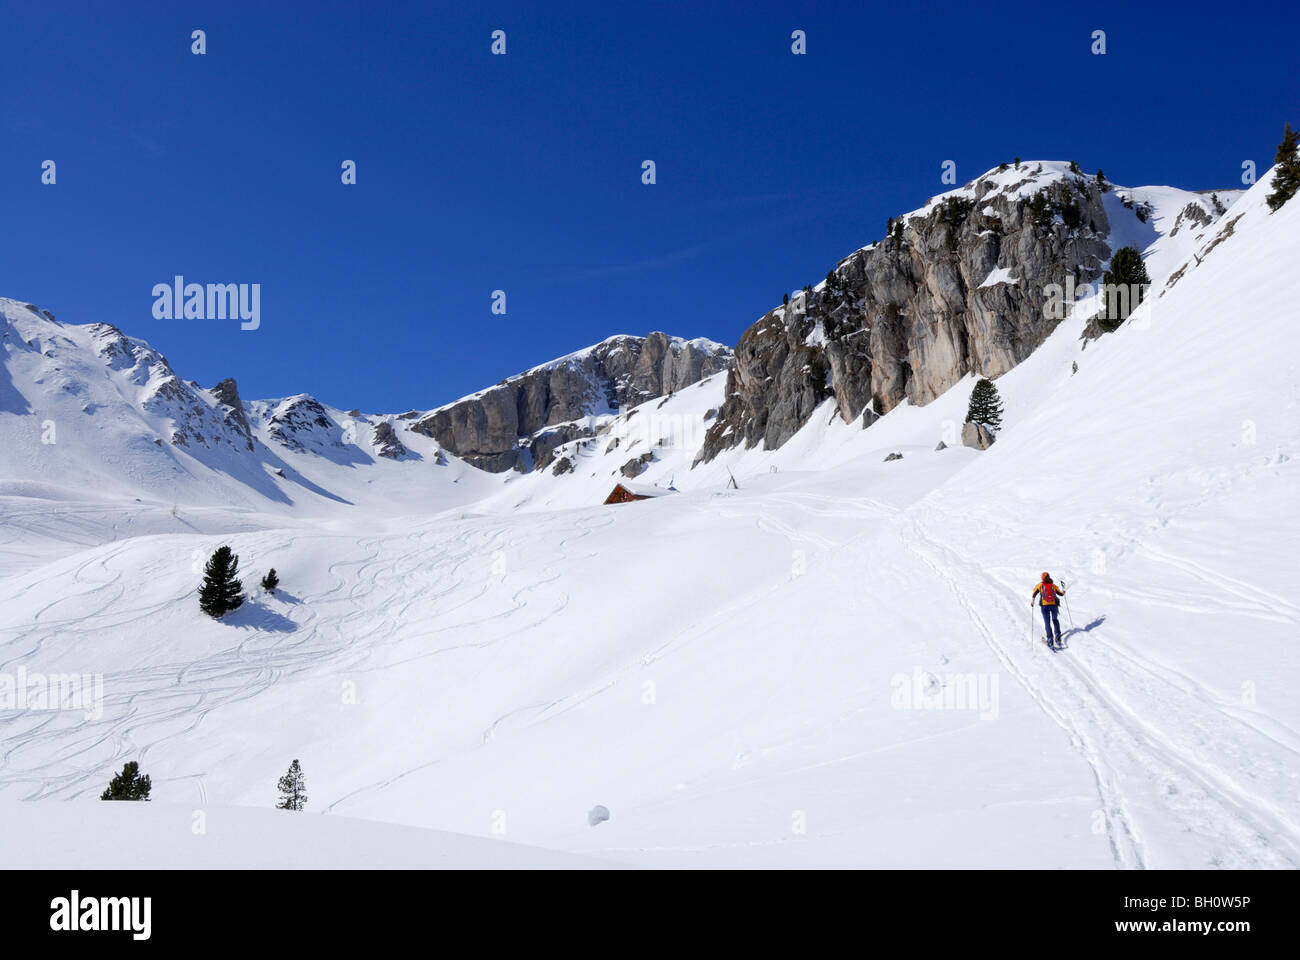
(124, 836)
(832, 665)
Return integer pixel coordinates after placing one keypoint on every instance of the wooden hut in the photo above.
(628, 492)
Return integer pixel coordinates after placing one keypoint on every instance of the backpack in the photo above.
(1049, 594)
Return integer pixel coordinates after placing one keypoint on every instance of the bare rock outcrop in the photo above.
(519, 423)
(957, 287)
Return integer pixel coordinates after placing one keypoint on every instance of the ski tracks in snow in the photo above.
(1170, 761)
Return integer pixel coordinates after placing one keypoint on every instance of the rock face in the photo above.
(299, 420)
(977, 435)
(636, 466)
(386, 439)
(518, 423)
(957, 287)
(226, 393)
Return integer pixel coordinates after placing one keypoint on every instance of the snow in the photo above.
(123, 836)
(832, 665)
(999, 275)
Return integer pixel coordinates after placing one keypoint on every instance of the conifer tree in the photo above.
(221, 590)
(1040, 211)
(292, 786)
(1286, 173)
(985, 404)
(270, 581)
(1124, 285)
(127, 785)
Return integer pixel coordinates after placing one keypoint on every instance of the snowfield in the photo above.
(833, 663)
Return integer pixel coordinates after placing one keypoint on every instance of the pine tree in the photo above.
(221, 590)
(1286, 173)
(1128, 273)
(270, 581)
(1017, 163)
(127, 785)
(1071, 215)
(1074, 167)
(1040, 211)
(785, 300)
(1102, 183)
(291, 787)
(985, 404)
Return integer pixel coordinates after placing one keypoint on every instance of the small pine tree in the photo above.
(291, 787)
(1102, 183)
(1002, 166)
(221, 590)
(1071, 215)
(1126, 272)
(127, 785)
(270, 581)
(898, 230)
(785, 300)
(1040, 211)
(985, 404)
(1017, 163)
(1074, 167)
(1286, 173)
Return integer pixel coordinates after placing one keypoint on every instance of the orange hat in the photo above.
(1046, 577)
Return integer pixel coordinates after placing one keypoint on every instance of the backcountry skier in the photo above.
(1048, 595)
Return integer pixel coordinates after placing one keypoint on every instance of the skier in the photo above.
(1047, 593)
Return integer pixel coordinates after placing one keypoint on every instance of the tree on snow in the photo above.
(292, 786)
(270, 581)
(1286, 174)
(127, 785)
(221, 590)
(1124, 284)
(985, 404)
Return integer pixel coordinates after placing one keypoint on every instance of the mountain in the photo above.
(958, 287)
(92, 408)
(517, 424)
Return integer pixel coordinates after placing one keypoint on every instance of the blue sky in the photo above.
(523, 172)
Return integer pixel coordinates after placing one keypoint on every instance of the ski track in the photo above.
(1107, 698)
(1131, 755)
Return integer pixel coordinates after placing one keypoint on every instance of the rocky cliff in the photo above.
(518, 423)
(954, 288)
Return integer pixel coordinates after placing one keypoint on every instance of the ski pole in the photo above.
(1067, 606)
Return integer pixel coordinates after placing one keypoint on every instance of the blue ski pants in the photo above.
(1051, 619)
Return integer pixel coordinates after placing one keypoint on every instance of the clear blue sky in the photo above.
(523, 172)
